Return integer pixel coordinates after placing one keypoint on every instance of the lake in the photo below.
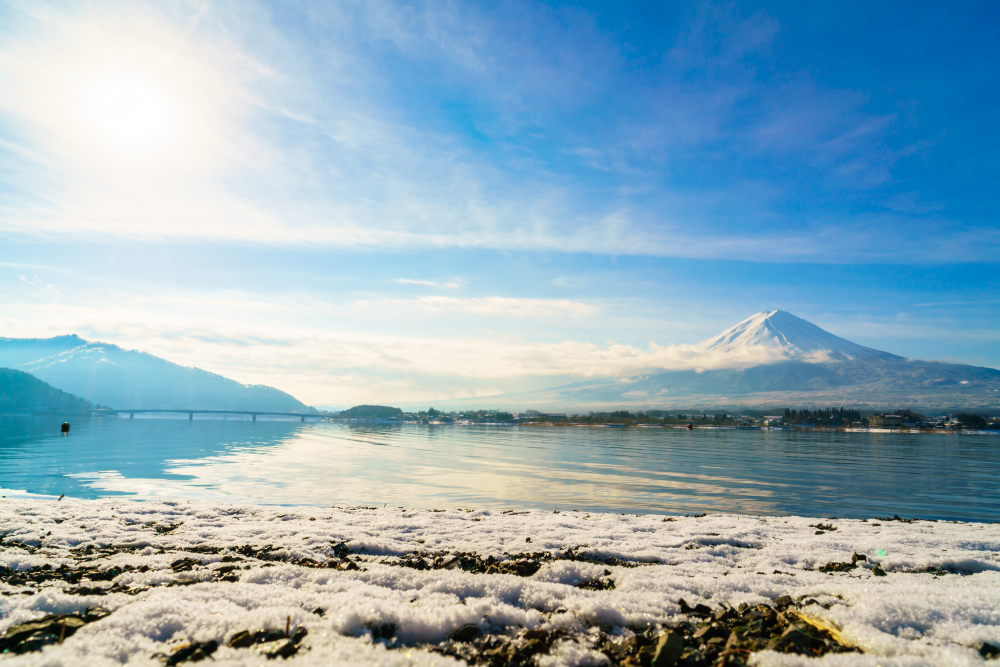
(941, 476)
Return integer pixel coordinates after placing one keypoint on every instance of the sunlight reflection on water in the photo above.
(638, 470)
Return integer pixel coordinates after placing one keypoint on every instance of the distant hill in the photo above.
(127, 379)
(23, 392)
(370, 412)
(798, 364)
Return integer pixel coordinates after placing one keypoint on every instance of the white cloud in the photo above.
(454, 284)
(938, 304)
(38, 288)
(493, 305)
(408, 281)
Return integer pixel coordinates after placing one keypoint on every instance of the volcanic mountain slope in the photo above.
(123, 379)
(799, 364)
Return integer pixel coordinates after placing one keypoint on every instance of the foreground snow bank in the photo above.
(390, 586)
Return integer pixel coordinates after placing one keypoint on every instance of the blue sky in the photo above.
(391, 201)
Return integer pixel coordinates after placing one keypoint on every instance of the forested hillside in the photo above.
(23, 392)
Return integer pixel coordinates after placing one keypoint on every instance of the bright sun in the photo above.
(133, 113)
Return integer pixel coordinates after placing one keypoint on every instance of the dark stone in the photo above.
(184, 565)
(33, 635)
(86, 590)
(526, 568)
(107, 575)
(286, 650)
(95, 614)
(989, 651)
(792, 640)
(536, 635)
(245, 638)
(451, 563)
(783, 601)
(383, 631)
(724, 614)
(241, 639)
(466, 633)
(837, 567)
(193, 652)
(668, 651)
(265, 636)
(697, 610)
(169, 528)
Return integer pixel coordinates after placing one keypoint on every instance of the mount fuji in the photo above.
(775, 359)
(789, 336)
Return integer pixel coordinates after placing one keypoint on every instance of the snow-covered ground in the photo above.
(938, 602)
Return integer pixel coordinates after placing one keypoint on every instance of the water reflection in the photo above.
(35, 456)
(825, 474)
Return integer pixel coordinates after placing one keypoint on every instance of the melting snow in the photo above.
(940, 598)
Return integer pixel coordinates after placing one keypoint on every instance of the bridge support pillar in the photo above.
(190, 416)
(255, 418)
(302, 419)
(131, 415)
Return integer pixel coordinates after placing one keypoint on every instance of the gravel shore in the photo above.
(110, 582)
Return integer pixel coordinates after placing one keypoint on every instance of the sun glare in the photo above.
(133, 113)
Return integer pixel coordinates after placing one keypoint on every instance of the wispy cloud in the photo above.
(39, 289)
(490, 305)
(566, 281)
(940, 304)
(298, 142)
(454, 284)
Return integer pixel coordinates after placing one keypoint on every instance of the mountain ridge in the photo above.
(107, 374)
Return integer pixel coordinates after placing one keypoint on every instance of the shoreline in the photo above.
(316, 419)
(370, 585)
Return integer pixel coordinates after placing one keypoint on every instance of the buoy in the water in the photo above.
(65, 427)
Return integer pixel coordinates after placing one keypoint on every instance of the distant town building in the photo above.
(885, 421)
(773, 420)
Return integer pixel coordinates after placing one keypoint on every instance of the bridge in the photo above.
(192, 413)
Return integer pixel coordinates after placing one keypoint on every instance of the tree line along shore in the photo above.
(837, 418)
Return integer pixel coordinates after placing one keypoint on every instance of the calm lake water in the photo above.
(637, 470)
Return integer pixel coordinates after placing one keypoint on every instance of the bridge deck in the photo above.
(192, 413)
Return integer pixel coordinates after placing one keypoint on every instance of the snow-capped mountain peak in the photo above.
(128, 379)
(790, 336)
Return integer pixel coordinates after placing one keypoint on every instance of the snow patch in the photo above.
(915, 615)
